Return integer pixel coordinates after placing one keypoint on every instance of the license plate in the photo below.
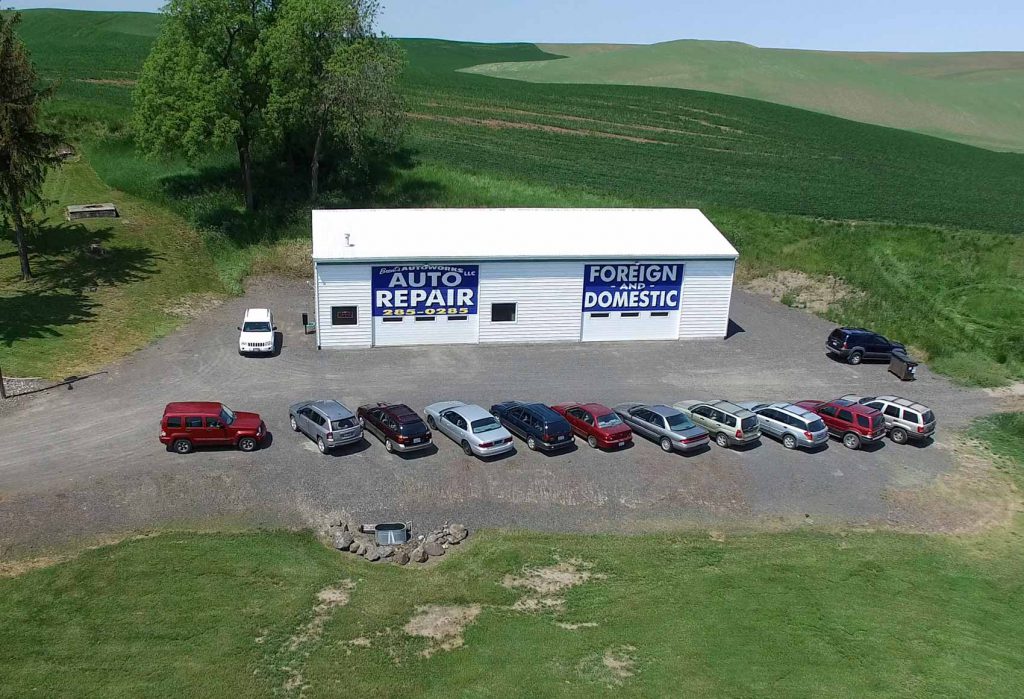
(621, 443)
(562, 438)
(416, 441)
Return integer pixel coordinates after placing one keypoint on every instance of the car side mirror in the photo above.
(275, 327)
(239, 327)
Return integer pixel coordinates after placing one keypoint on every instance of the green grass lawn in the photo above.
(83, 311)
(794, 614)
(973, 98)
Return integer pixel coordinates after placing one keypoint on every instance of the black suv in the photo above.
(539, 425)
(397, 425)
(857, 344)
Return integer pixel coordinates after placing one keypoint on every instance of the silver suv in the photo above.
(327, 422)
(905, 420)
(729, 424)
(792, 425)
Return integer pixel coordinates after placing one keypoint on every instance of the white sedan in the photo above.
(470, 426)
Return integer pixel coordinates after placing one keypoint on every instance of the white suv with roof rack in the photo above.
(256, 333)
(905, 420)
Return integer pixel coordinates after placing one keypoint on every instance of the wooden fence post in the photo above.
(3, 391)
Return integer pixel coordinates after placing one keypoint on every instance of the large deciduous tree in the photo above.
(26, 151)
(333, 80)
(205, 83)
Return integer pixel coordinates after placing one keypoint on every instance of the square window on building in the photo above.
(344, 315)
(503, 312)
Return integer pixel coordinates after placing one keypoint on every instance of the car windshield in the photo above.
(609, 420)
(815, 426)
(679, 422)
(226, 415)
(343, 423)
(486, 424)
(252, 327)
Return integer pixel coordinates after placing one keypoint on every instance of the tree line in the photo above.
(312, 79)
(309, 78)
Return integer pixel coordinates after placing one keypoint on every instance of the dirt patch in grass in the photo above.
(611, 668)
(539, 604)
(576, 627)
(118, 82)
(976, 496)
(500, 124)
(328, 599)
(192, 306)
(801, 290)
(552, 579)
(443, 625)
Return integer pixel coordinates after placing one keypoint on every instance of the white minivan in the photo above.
(256, 333)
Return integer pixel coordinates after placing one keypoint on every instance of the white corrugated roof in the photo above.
(509, 234)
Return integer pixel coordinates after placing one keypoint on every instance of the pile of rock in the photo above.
(362, 541)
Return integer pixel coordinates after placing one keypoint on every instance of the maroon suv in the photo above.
(186, 426)
(851, 422)
(395, 424)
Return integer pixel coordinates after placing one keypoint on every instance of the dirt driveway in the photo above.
(86, 464)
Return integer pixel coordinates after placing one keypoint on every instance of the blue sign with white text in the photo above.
(643, 286)
(425, 290)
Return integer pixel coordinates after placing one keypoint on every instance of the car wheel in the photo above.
(320, 445)
(855, 358)
(721, 440)
(466, 448)
(389, 446)
(789, 441)
(898, 435)
(666, 444)
(247, 444)
(592, 441)
(851, 441)
(430, 421)
(532, 444)
(182, 446)
(295, 426)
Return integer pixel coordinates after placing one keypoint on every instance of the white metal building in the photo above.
(444, 276)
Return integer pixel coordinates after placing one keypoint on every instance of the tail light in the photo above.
(401, 439)
(547, 437)
(808, 435)
(487, 445)
(330, 436)
(920, 429)
(844, 345)
(739, 434)
(687, 440)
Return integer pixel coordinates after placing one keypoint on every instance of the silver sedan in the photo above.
(665, 425)
(327, 422)
(470, 426)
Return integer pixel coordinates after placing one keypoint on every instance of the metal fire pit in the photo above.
(391, 534)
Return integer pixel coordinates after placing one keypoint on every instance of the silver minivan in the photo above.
(905, 420)
(790, 424)
(327, 422)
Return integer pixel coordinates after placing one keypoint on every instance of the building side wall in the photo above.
(707, 294)
(343, 285)
(548, 298)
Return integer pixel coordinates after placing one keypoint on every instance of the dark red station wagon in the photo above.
(596, 423)
(186, 426)
(851, 422)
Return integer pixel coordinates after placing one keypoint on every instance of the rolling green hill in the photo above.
(975, 98)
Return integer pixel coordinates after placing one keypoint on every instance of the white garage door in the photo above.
(631, 325)
(631, 301)
(425, 330)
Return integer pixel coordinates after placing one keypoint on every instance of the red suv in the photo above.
(852, 422)
(198, 424)
(597, 424)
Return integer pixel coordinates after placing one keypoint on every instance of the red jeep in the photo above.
(852, 422)
(599, 425)
(188, 425)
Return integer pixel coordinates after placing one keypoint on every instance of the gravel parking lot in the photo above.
(85, 464)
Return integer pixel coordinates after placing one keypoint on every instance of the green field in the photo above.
(927, 228)
(795, 614)
(975, 98)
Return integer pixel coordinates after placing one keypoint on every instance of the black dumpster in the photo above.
(903, 366)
